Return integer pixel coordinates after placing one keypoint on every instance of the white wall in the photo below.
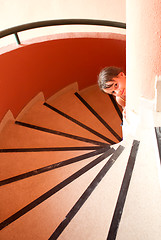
(17, 12)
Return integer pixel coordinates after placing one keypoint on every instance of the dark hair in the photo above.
(107, 74)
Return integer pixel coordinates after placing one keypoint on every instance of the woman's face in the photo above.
(117, 87)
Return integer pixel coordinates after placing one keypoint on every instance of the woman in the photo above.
(112, 80)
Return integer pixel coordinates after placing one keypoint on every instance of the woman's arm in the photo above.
(121, 101)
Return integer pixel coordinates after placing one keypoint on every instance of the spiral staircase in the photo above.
(68, 169)
(53, 147)
(64, 172)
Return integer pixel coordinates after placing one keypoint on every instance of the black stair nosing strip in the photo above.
(55, 189)
(52, 166)
(123, 192)
(79, 123)
(86, 194)
(50, 149)
(47, 130)
(98, 116)
(158, 137)
(116, 106)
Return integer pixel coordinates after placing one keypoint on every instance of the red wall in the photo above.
(51, 65)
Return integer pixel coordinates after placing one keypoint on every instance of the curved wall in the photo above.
(51, 65)
(143, 50)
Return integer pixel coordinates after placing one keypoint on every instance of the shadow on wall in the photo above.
(51, 65)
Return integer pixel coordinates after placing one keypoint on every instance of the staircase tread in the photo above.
(21, 163)
(25, 137)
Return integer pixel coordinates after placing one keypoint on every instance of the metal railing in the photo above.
(15, 30)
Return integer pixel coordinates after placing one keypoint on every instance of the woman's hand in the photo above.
(124, 113)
